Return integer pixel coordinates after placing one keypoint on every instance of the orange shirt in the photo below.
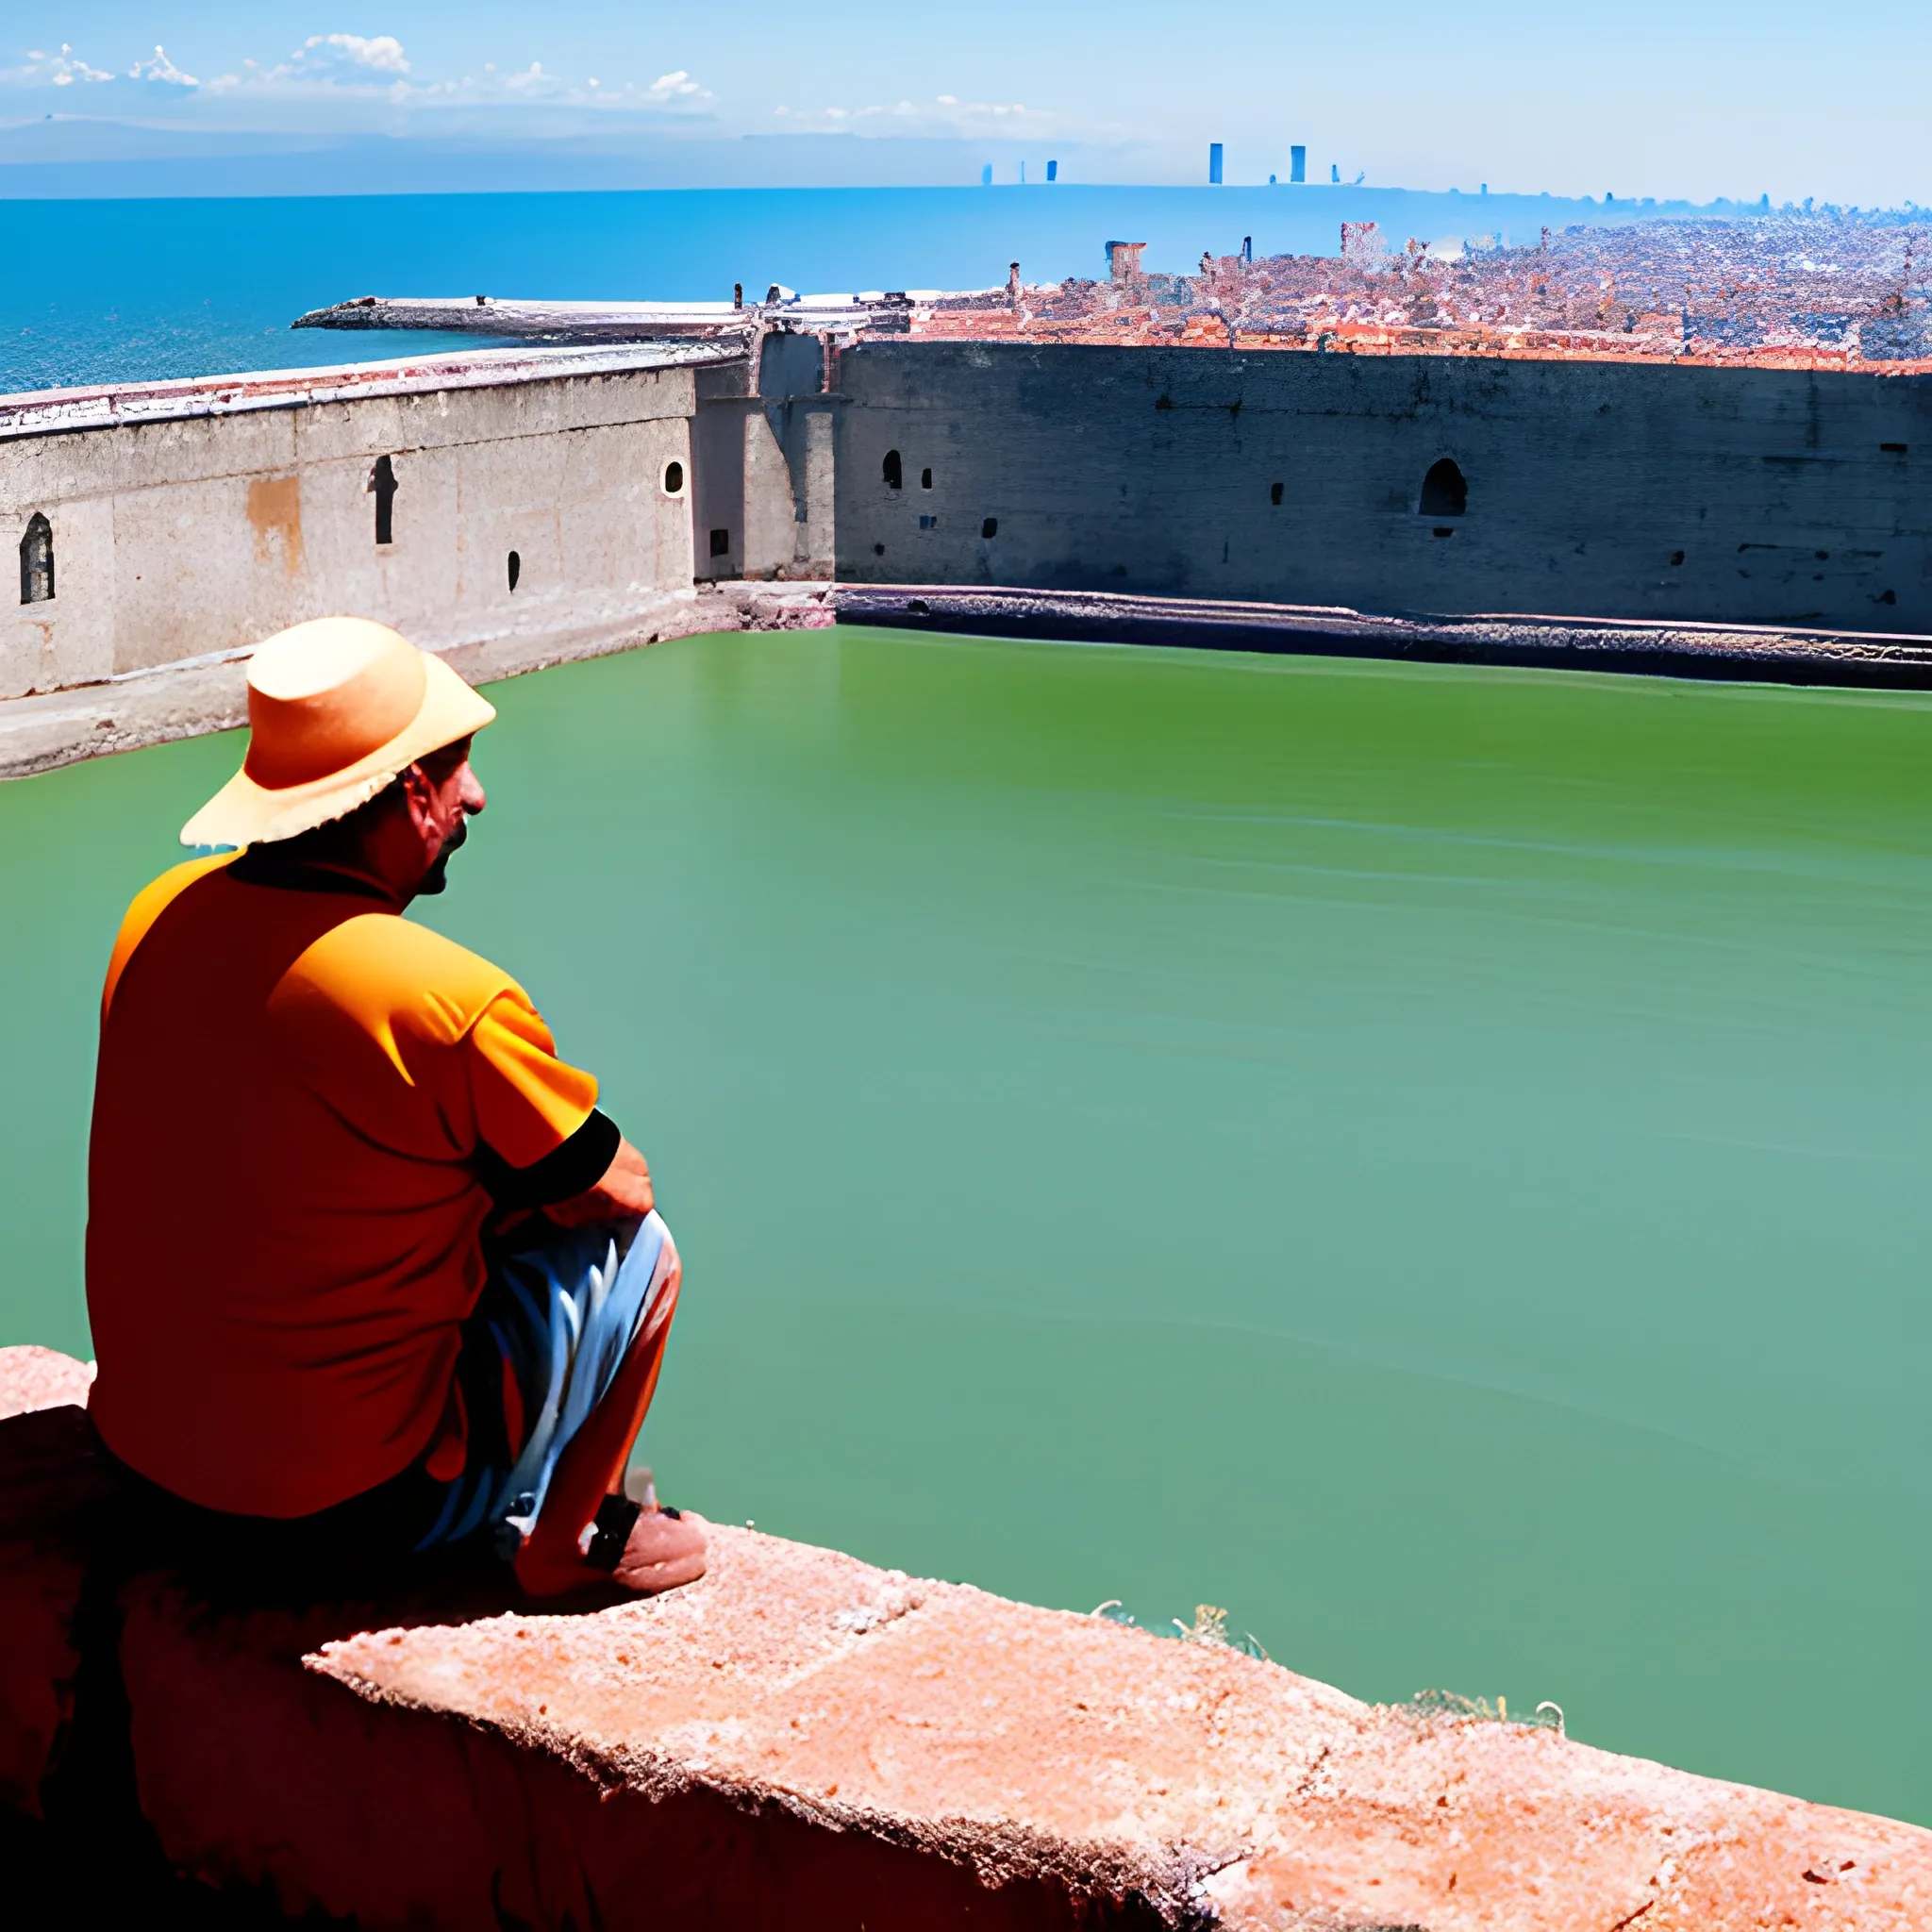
(295, 1092)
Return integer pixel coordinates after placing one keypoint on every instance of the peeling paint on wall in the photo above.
(274, 510)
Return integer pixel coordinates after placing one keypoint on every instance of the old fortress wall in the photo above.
(1600, 490)
(188, 521)
(514, 508)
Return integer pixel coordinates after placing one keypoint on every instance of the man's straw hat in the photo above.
(336, 708)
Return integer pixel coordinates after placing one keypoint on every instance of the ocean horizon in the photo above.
(137, 289)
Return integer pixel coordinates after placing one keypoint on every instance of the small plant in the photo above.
(1210, 1626)
(1452, 1704)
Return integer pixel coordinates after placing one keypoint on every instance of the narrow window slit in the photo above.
(37, 561)
(382, 484)
(889, 469)
(516, 569)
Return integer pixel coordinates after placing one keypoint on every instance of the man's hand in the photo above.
(623, 1193)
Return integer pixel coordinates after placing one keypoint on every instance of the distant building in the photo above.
(1214, 164)
(1297, 164)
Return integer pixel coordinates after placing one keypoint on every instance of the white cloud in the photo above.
(161, 71)
(357, 73)
(325, 64)
(533, 84)
(945, 113)
(52, 69)
(350, 56)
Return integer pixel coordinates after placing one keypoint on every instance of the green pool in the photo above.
(1433, 1162)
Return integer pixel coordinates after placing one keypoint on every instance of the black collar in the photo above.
(262, 865)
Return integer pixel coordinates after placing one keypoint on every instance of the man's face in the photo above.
(449, 797)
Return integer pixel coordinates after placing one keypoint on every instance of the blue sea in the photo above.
(127, 290)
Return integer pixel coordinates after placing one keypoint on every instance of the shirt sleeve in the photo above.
(527, 1102)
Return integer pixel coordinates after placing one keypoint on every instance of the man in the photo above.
(370, 1276)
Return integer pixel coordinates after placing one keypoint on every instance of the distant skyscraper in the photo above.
(1297, 164)
(1053, 170)
(1214, 164)
(985, 175)
(1335, 170)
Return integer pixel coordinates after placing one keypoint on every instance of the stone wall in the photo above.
(800, 1741)
(190, 520)
(1593, 489)
(211, 520)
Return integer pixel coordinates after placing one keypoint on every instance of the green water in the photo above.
(1432, 1160)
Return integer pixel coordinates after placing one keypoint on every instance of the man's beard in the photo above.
(437, 877)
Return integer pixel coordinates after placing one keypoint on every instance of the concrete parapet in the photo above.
(802, 1739)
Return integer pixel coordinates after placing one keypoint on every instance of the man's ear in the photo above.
(417, 796)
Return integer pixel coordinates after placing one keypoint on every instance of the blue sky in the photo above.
(1645, 98)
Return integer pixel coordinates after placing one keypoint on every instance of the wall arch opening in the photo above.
(1445, 494)
(37, 561)
(891, 471)
(673, 478)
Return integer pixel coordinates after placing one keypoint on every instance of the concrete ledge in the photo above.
(60, 727)
(803, 1739)
(1571, 643)
(59, 412)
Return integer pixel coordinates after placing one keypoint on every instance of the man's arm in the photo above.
(520, 1089)
(622, 1194)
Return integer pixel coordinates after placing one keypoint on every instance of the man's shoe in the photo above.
(665, 1548)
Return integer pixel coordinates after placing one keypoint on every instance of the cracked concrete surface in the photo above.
(1030, 1742)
